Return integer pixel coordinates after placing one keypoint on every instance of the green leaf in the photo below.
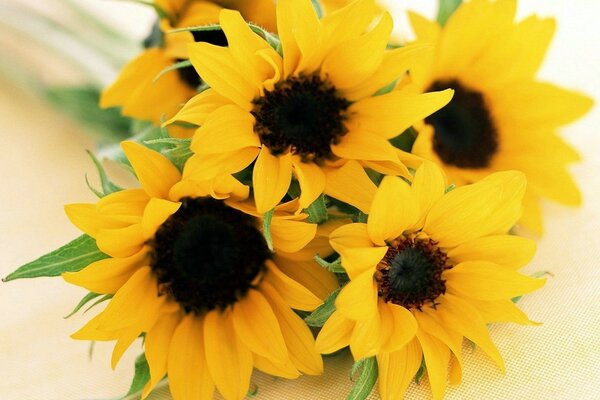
(141, 376)
(81, 103)
(363, 385)
(86, 299)
(318, 317)
(71, 257)
(405, 140)
(318, 8)
(317, 211)
(446, 9)
(334, 266)
(108, 187)
(267, 218)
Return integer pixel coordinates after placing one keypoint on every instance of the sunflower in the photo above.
(136, 89)
(306, 112)
(196, 276)
(427, 269)
(501, 117)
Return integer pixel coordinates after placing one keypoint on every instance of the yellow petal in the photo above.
(397, 370)
(198, 108)
(391, 114)
(258, 328)
(217, 67)
(437, 357)
(156, 213)
(137, 303)
(87, 218)
(229, 360)
(492, 205)
(271, 177)
(506, 250)
(311, 179)
(189, 378)
(353, 235)
(485, 280)
(296, 295)
(244, 44)
(366, 337)
(291, 236)
(394, 64)
(126, 205)
(227, 129)
(122, 242)
(309, 274)
(125, 340)
(532, 213)
(201, 168)
(298, 337)
(335, 334)
(429, 322)
(399, 326)
(501, 311)
(395, 208)
(351, 185)
(359, 259)
(156, 348)
(364, 54)
(363, 143)
(108, 275)
(426, 30)
(358, 299)
(286, 370)
(465, 319)
(154, 171)
(428, 186)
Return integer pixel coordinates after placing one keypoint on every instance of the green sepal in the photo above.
(86, 299)
(271, 39)
(141, 376)
(317, 211)
(420, 372)
(176, 150)
(318, 8)
(318, 317)
(334, 266)
(405, 140)
(108, 187)
(72, 257)
(385, 89)
(446, 9)
(363, 384)
(100, 300)
(267, 218)
(450, 188)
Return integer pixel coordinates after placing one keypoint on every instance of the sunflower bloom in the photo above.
(427, 269)
(501, 117)
(197, 277)
(308, 112)
(136, 89)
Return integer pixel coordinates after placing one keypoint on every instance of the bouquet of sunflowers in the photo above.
(307, 186)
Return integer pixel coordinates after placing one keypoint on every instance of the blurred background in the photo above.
(48, 47)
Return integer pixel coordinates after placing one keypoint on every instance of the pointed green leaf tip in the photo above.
(318, 317)
(140, 377)
(447, 8)
(71, 257)
(365, 381)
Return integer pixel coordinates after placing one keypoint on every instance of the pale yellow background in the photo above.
(42, 166)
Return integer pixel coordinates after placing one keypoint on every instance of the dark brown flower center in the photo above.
(302, 114)
(410, 273)
(465, 133)
(207, 255)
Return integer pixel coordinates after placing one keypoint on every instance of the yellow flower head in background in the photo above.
(138, 91)
(427, 269)
(308, 111)
(500, 117)
(196, 275)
